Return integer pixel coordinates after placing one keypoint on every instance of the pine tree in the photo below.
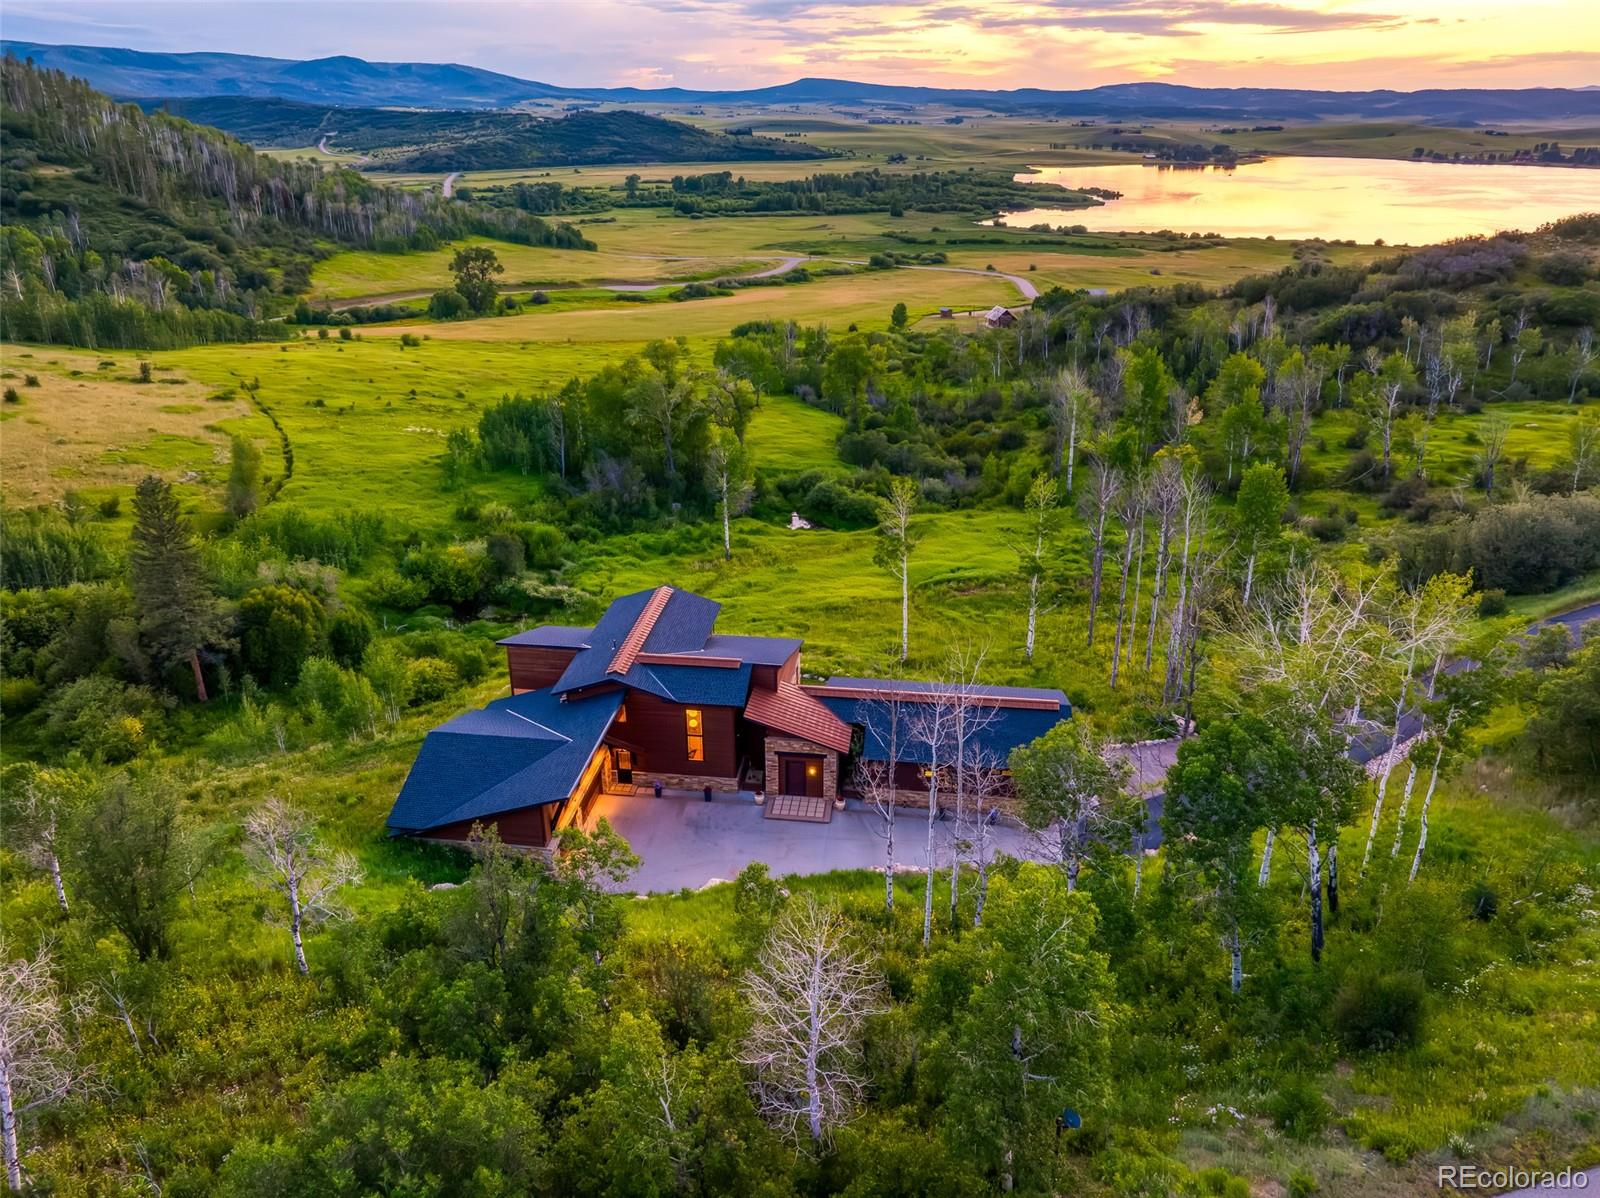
(178, 614)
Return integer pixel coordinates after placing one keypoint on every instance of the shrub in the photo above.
(1301, 1184)
(448, 304)
(429, 679)
(279, 627)
(349, 634)
(19, 695)
(1483, 902)
(1492, 603)
(1378, 1012)
(12, 396)
(104, 719)
(1299, 1110)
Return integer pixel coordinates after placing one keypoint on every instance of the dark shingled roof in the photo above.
(757, 650)
(710, 686)
(551, 636)
(1009, 728)
(517, 752)
(682, 626)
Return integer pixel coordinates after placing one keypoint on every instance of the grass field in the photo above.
(355, 273)
(91, 427)
(645, 245)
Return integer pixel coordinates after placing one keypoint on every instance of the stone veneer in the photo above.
(686, 781)
(790, 744)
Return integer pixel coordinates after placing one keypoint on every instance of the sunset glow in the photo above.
(1337, 44)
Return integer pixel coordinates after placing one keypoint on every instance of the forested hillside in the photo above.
(477, 140)
(123, 228)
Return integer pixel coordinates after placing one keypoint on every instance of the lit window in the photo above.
(695, 730)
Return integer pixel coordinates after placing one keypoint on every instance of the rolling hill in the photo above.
(354, 82)
(476, 139)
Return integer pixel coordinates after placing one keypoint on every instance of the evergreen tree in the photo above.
(178, 614)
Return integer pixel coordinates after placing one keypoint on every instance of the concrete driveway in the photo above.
(687, 842)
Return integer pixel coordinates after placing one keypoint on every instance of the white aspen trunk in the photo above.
(983, 872)
(933, 814)
(1236, 958)
(1427, 802)
(727, 523)
(1249, 576)
(1266, 858)
(1383, 779)
(55, 881)
(1072, 442)
(905, 606)
(1405, 805)
(294, 927)
(888, 864)
(1033, 612)
(8, 1129)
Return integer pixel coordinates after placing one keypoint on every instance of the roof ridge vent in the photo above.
(627, 652)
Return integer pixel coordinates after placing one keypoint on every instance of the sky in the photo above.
(1335, 44)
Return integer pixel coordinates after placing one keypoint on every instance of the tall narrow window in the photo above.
(695, 734)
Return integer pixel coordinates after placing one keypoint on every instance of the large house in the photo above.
(652, 693)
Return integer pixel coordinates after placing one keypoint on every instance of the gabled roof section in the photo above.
(660, 620)
(643, 625)
(518, 752)
(551, 636)
(789, 709)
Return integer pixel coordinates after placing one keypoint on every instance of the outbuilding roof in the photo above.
(1013, 716)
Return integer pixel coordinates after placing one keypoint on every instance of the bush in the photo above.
(19, 695)
(349, 634)
(429, 679)
(1492, 603)
(448, 304)
(104, 719)
(279, 627)
(1299, 1110)
(1378, 1012)
(1483, 901)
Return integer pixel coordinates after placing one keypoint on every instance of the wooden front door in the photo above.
(622, 761)
(801, 775)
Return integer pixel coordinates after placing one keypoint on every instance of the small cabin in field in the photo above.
(652, 693)
(999, 317)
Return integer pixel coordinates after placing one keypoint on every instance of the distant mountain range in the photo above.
(342, 80)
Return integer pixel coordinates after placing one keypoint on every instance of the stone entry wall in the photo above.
(718, 785)
(791, 744)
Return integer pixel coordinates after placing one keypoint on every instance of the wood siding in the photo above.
(654, 729)
(533, 667)
(526, 826)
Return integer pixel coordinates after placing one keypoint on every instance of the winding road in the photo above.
(448, 187)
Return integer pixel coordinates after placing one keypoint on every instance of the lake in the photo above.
(1360, 199)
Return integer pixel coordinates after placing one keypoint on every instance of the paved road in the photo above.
(1367, 749)
(448, 187)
